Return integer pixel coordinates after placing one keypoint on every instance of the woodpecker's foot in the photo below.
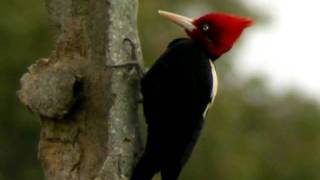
(128, 64)
(140, 70)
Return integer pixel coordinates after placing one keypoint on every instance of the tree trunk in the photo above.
(87, 105)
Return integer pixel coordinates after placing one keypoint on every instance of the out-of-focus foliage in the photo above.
(250, 133)
(23, 39)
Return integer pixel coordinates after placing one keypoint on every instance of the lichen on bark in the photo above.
(88, 109)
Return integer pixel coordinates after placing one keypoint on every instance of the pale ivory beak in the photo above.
(182, 21)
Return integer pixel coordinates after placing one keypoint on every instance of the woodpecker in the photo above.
(179, 88)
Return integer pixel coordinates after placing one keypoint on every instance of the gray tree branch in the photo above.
(88, 109)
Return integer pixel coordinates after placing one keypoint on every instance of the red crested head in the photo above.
(217, 32)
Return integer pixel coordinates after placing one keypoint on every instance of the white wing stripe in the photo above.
(214, 89)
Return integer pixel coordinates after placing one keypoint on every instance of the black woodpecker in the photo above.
(179, 88)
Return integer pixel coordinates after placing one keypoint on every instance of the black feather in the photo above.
(176, 92)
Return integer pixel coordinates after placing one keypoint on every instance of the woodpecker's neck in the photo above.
(212, 58)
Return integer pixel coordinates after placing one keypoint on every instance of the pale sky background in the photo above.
(286, 51)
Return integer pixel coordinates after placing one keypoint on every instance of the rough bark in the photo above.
(87, 107)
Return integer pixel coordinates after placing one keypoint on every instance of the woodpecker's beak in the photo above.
(182, 21)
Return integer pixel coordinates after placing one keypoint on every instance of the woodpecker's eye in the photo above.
(205, 27)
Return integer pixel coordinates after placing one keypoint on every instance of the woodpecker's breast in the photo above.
(214, 89)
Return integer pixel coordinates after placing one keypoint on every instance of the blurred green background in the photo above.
(251, 133)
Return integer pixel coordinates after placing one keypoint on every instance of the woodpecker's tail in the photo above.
(147, 166)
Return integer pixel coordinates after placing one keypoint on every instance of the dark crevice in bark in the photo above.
(88, 110)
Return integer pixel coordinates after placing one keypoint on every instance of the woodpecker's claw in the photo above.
(128, 64)
(141, 72)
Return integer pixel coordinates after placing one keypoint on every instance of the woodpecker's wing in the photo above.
(180, 81)
(176, 91)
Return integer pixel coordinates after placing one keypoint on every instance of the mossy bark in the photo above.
(88, 109)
